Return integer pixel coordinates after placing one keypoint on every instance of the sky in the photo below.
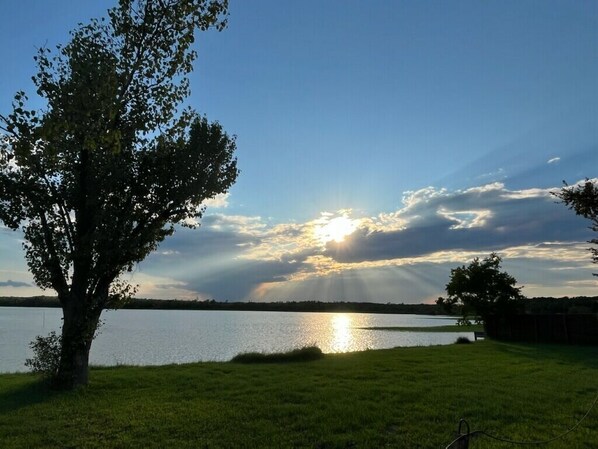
(380, 144)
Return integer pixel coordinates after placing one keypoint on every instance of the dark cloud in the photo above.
(513, 219)
(196, 242)
(237, 281)
(201, 246)
(11, 283)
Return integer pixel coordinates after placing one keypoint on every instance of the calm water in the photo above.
(156, 337)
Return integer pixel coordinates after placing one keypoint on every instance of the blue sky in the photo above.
(419, 134)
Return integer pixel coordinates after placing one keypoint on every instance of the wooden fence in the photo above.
(556, 328)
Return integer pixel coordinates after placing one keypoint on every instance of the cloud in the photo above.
(493, 175)
(485, 218)
(159, 286)
(218, 201)
(240, 224)
(553, 160)
(16, 284)
(169, 252)
(238, 280)
(403, 254)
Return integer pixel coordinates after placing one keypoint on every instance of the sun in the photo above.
(336, 229)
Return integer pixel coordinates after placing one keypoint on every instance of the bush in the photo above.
(462, 340)
(305, 354)
(46, 355)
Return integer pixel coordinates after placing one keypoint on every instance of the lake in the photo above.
(157, 337)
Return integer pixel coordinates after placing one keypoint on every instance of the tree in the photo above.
(104, 173)
(482, 289)
(583, 199)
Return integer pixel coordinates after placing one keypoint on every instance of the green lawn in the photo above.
(399, 398)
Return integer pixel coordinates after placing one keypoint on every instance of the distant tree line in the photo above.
(211, 304)
(548, 305)
(540, 305)
(289, 306)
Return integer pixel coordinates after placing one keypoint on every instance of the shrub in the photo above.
(46, 355)
(462, 340)
(304, 354)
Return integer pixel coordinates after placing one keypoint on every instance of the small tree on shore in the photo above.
(583, 199)
(101, 176)
(481, 289)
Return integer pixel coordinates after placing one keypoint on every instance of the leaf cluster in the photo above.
(583, 199)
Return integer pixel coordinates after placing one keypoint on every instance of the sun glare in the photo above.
(341, 332)
(336, 229)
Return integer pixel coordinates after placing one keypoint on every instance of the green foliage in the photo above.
(396, 398)
(583, 199)
(462, 340)
(46, 355)
(102, 175)
(304, 354)
(480, 288)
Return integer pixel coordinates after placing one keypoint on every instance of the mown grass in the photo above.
(399, 398)
(446, 328)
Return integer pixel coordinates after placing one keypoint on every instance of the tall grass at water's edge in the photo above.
(305, 354)
(399, 398)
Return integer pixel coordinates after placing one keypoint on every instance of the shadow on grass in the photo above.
(570, 354)
(31, 393)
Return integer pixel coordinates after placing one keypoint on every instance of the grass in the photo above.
(446, 328)
(398, 398)
(305, 354)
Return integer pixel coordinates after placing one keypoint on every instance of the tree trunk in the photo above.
(78, 329)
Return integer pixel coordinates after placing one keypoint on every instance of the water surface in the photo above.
(157, 337)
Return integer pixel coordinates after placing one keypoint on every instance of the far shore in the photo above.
(581, 304)
(283, 306)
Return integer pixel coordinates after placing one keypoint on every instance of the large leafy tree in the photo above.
(583, 199)
(106, 170)
(481, 289)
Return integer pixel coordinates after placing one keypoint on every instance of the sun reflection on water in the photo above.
(342, 335)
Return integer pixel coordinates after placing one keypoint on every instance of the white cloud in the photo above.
(219, 201)
(553, 160)
(234, 223)
(466, 219)
(528, 193)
